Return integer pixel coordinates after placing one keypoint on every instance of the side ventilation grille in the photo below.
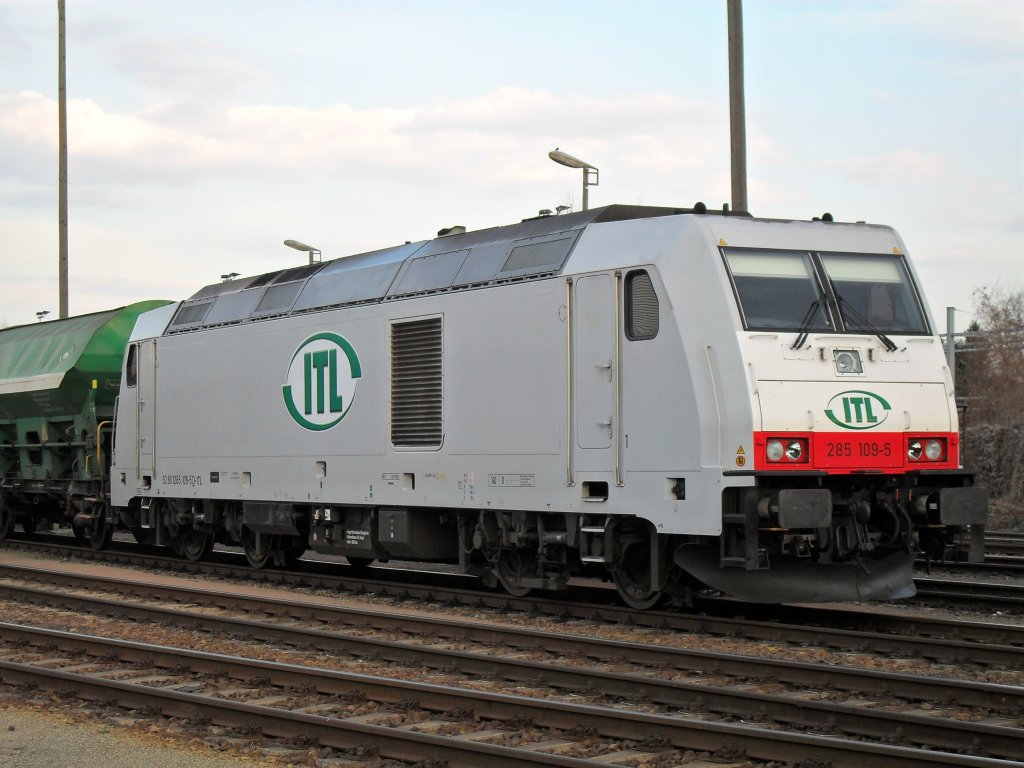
(416, 384)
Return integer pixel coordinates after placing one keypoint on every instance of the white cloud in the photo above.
(899, 167)
(187, 66)
(161, 205)
(992, 26)
(651, 130)
(29, 119)
(13, 43)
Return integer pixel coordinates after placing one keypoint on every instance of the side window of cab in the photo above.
(132, 367)
(642, 306)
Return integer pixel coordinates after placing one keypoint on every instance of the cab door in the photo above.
(145, 410)
(594, 321)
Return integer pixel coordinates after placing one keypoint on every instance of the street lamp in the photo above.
(564, 158)
(229, 276)
(303, 247)
(41, 315)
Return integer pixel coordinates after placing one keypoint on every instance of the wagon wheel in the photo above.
(196, 545)
(5, 519)
(101, 533)
(257, 548)
(359, 563)
(80, 533)
(29, 524)
(511, 568)
(632, 577)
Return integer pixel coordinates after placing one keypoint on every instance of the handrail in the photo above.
(570, 480)
(99, 443)
(618, 379)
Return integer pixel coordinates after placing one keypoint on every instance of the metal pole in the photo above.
(585, 200)
(62, 171)
(951, 343)
(737, 113)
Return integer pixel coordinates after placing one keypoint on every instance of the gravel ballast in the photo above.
(31, 738)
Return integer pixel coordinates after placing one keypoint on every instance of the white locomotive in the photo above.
(666, 397)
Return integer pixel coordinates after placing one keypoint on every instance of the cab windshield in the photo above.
(808, 291)
(778, 290)
(875, 289)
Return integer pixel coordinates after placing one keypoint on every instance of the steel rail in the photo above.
(914, 687)
(401, 743)
(836, 627)
(731, 699)
(395, 743)
(1003, 564)
(976, 593)
(1004, 544)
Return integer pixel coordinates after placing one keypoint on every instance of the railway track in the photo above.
(849, 628)
(1002, 597)
(884, 699)
(404, 720)
(1004, 553)
(1004, 565)
(1005, 542)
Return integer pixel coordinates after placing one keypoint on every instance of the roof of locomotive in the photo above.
(531, 249)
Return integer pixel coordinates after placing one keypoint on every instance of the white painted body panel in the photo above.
(691, 398)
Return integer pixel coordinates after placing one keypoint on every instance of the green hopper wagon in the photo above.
(59, 383)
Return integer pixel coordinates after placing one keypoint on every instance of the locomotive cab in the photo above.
(856, 450)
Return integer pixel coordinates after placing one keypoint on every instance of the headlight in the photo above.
(926, 449)
(847, 361)
(786, 450)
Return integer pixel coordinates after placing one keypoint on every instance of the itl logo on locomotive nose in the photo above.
(321, 382)
(857, 409)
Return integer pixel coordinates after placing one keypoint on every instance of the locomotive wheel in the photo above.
(142, 535)
(196, 545)
(633, 578)
(292, 548)
(510, 569)
(257, 548)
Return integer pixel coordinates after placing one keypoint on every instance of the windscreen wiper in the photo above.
(805, 324)
(863, 323)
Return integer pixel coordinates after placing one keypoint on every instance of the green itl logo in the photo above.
(321, 382)
(857, 409)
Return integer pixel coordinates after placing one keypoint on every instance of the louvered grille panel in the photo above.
(416, 384)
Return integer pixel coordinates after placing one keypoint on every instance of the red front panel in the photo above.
(849, 451)
(842, 451)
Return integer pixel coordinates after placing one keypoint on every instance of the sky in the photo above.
(203, 134)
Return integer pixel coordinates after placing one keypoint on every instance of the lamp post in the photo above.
(737, 108)
(62, 169)
(951, 343)
(303, 247)
(564, 158)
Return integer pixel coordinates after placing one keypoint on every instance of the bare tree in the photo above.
(990, 362)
